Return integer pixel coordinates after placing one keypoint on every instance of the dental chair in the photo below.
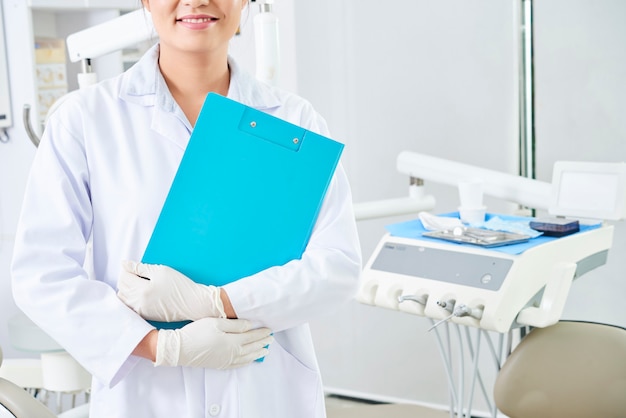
(19, 402)
(570, 369)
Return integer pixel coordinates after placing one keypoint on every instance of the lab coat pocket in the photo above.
(280, 386)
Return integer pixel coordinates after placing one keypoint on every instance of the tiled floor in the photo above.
(338, 407)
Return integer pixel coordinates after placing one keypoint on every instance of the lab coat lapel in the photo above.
(168, 125)
(144, 85)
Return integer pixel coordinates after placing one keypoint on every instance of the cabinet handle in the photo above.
(29, 129)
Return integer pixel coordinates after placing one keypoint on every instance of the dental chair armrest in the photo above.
(553, 300)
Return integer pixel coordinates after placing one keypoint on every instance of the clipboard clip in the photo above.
(267, 127)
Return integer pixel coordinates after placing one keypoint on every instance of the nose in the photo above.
(196, 3)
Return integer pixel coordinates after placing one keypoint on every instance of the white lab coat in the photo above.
(103, 169)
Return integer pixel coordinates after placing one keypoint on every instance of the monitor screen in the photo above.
(589, 190)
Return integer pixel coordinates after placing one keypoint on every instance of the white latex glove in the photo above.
(160, 293)
(215, 343)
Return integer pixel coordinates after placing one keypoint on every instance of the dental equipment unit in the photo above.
(501, 289)
(493, 288)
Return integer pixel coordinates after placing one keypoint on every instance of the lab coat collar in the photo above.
(139, 82)
(143, 84)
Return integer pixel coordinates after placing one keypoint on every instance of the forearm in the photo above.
(228, 307)
(147, 346)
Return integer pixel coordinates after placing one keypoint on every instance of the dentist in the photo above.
(99, 178)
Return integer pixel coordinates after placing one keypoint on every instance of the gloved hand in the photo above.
(160, 293)
(215, 343)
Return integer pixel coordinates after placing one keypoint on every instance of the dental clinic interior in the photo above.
(485, 149)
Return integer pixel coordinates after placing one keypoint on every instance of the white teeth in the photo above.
(206, 19)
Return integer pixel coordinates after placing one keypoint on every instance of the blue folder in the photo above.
(245, 197)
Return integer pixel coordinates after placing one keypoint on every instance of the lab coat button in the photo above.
(214, 410)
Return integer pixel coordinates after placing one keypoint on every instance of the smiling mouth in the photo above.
(198, 20)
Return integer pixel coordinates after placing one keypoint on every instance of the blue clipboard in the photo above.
(245, 197)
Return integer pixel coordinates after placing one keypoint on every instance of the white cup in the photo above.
(471, 194)
(472, 215)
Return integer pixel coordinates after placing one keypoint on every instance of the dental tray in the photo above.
(478, 236)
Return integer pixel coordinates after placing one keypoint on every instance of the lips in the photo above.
(197, 19)
(197, 22)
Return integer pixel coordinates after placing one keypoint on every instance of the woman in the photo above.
(102, 172)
